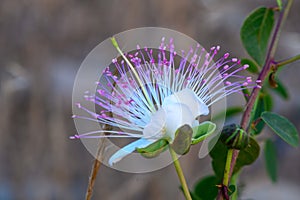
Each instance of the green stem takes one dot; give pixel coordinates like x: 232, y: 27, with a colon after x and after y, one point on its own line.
x: 227, y: 167
x: 180, y: 174
x: 283, y: 15
x: 288, y: 61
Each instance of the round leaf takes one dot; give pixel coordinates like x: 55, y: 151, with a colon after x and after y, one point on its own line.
x: 248, y: 155
x: 207, y: 188
x: 282, y: 127
x: 202, y: 131
x: 253, y: 68
x: 218, y: 155
x: 153, y: 149
x: 263, y: 103
x: 256, y: 31
x: 271, y: 160
x: 231, y: 189
x: 182, y: 141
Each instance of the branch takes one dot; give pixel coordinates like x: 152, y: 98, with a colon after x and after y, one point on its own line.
x: 287, y: 61
x: 95, y: 170
x: 262, y: 76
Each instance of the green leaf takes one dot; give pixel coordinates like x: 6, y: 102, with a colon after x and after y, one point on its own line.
x: 271, y: 160
x: 268, y: 102
x: 281, y: 90
x: 263, y: 103
x: 194, y: 196
x: 248, y: 155
x: 282, y: 127
x: 255, y: 33
x: 231, y: 189
x: 218, y: 155
x: 253, y: 68
x: 153, y: 149
x: 182, y: 141
x: 207, y: 188
x: 202, y: 131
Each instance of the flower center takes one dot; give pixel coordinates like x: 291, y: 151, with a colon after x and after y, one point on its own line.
x: 177, y: 110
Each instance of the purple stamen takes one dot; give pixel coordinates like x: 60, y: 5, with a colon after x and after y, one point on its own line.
x: 122, y: 103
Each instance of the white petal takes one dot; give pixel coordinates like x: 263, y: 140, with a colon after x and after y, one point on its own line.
x: 177, y: 115
x: 128, y: 149
x: 156, y: 125
x: 190, y: 99
x: 167, y: 120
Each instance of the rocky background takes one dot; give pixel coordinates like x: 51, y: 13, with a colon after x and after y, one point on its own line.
x: 42, y: 44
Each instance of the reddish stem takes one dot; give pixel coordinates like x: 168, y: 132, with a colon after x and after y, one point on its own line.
x: 262, y: 76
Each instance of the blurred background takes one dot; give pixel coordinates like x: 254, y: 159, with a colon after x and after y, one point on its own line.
x: 42, y: 44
